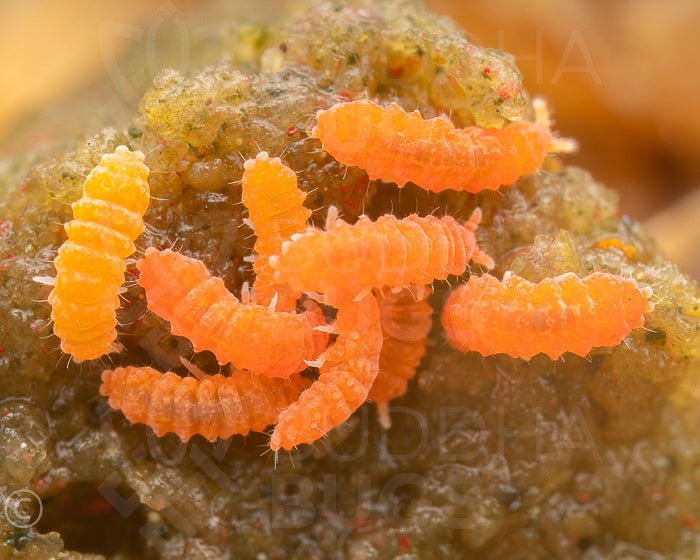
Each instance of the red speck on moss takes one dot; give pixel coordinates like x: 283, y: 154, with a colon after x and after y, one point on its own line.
x: 505, y: 92
x: 583, y: 498
x: 403, y: 543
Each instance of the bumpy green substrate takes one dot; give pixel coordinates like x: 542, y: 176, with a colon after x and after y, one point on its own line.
x: 490, y: 458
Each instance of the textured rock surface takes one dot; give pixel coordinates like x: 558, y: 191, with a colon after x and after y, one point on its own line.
x: 589, y: 458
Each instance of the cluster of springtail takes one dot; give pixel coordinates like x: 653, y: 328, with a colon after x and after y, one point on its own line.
x: 377, y: 275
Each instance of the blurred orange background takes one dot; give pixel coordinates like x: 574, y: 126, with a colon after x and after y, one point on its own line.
x: 621, y: 77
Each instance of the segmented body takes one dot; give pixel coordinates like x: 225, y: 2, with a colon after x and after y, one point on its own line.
x: 199, y: 307
x: 275, y: 207
x: 393, y: 145
x: 406, y: 319
x: 630, y: 251
x: 90, y: 265
x: 215, y: 407
x: 388, y: 252
x: 562, y: 314
x: 350, y: 367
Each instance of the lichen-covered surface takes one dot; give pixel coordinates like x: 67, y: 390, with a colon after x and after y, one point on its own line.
x: 489, y: 458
